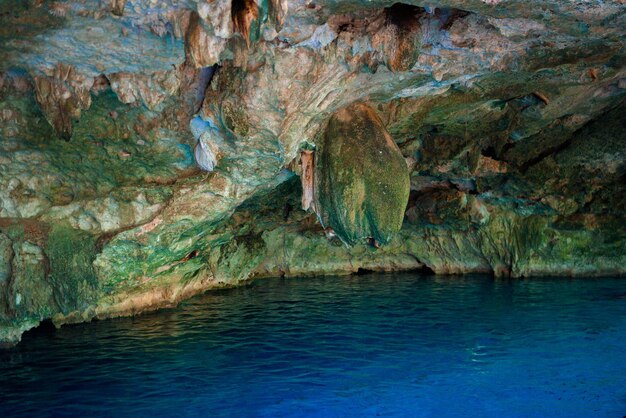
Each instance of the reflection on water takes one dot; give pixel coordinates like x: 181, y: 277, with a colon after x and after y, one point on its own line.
x: 396, y: 345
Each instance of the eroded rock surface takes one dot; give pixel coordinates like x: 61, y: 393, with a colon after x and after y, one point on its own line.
x: 148, y: 149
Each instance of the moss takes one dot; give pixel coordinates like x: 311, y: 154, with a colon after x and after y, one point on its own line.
x: 71, y: 253
x: 509, y: 240
x: 32, y: 123
x: 14, y: 232
x: 236, y: 120
x: 29, y: 294
x: 362, y: 178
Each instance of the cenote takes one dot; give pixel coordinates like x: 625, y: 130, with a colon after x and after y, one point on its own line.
x: 197, y: 198
x: 377, y: 344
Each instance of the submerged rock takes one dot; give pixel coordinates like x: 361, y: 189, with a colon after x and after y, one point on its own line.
x: 362, y: 179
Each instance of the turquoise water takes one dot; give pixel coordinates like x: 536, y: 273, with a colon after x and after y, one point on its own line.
x: 388, y: 345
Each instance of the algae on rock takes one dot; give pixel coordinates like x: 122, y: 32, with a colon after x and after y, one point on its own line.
x: 362, y: 179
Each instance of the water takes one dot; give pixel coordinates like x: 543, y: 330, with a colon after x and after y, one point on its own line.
x: 389, y: 345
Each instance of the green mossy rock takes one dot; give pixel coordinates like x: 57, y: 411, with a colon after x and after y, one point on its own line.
x: 362, y: 181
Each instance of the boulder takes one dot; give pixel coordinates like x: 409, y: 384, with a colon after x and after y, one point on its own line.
x: 362, y: 179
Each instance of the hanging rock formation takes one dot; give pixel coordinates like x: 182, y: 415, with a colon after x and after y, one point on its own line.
x: 362, y: 180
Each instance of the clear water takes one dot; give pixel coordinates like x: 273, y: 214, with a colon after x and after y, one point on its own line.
x: 389, y: 345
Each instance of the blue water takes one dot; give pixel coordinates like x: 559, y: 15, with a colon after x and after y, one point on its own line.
x: 388, y: 345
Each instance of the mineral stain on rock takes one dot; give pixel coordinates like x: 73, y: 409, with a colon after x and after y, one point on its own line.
x: 307, y: 161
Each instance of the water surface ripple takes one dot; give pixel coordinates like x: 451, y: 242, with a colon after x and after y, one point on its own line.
x: 389, y: 345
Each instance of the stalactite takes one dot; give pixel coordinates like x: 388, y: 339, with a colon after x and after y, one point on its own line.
x: 243, y: 13
x: 307, y: 158
x: 117, y: 7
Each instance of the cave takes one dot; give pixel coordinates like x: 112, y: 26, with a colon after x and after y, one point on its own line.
x: 329, y: 208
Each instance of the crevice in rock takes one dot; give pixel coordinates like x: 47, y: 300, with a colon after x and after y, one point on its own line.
x: 490, y: 152
x: 104, y: 240
x: 287, y: 210
x: 100, y: 84
x: 523, y: 168
x: 424, y: 269
x: 205, y: 76
x: 449, y: 16
x: 192, y: 254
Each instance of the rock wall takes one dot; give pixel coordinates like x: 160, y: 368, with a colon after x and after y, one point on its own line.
x: 150, y: 150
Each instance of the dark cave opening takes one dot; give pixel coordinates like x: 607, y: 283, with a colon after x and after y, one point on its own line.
x: 490, y: 152
x: 404, y: 16
x: 425, y: 270
x: 45, y: 328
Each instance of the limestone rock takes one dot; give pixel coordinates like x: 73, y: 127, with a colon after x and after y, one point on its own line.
x: 362, y: 180
x: 188, y: 117
x: 62, y: 96
x: 29, y: 292
x: 210, y: 145
x: 307, y: 160
x: 201, y: 48
x: 117, y: 7
x: 6, y: 258
x: 151, y: 90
